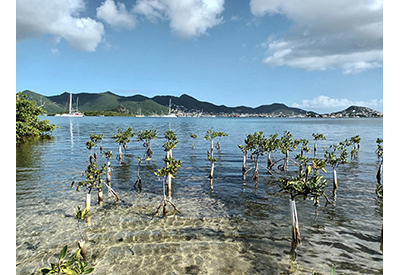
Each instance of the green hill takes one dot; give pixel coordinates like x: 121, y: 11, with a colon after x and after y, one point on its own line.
x: 108, y: 103
x: 99, y: 103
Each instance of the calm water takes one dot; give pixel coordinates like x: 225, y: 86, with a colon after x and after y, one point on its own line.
x: 235, y: 228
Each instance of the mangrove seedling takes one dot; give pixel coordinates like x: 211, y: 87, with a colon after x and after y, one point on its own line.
x: 90, y: 145
x: 193, y: 136
x: 356, y: 145
x: 72, y: 265
x: 108, y: 155
x: 96, y: 138
x: 171, y: 164
x: 307, y: 184
x: 138, y: 182
x: 286, y: 144
x: 81, y: 215
x: 379, y: 153
x: 243, y: 149
x: 316, y: 138
x: 271, y: 146
x: 162, y: 173
x: 146, y: 136
x: 211, y: 135
x: 123, y: 138
x: 335, y: 156
x: 256, y: 143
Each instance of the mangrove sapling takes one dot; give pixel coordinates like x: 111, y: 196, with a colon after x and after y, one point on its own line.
x: 193, y: 136
x: 81, y: 215
x: 123, y: 138
x: 170, y: 162
x: 307, y: 184
x: 316, y: 138
x: 271, y: 146
x: 146, y: 136
x: 108, y: 155
x: 379, y: 153
x: 211, y: 135
x: 356, y: 145
x: 90, y: 145
x: 256, y: 143
x: 243, y: 149
x: 169, y: 171
x: 286, y: 144
x: 138, y: 182
x: 335, y: 156
x: 96, y: 138
x: 72, y: 265
x: 220, y: 135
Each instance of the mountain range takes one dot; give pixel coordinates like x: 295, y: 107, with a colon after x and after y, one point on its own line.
x: 108, y: 103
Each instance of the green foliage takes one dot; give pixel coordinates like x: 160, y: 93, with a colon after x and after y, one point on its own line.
x: 379, y: 192
x: 211, y: 134
x: 93, y: 177
x: 318, y: 137
x: 255, y: 143
x: 123, y: 137
x: 171, y: 141
x: 308, y: 183
x: 81, y: 214
x: 108, y: 154
x: 146, y: 136
x: 28, y: 124
x: 193, y: 136
x: 171, y: 167
x: 287, y: 144
x: 379, y: 150
x: 96, y: 138
x: 72, y: 266
x: 171, y: 164
x: 337, y: 154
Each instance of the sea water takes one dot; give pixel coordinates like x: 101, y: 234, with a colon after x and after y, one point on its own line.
x: 233, y: 228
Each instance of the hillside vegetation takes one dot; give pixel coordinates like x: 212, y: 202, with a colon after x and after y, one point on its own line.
x: 110, y: 104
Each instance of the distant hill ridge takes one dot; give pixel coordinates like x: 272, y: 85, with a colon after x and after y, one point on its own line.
x: 158, y: 105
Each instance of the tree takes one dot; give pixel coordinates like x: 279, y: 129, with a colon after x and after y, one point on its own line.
x: 28, y: 124
x: 170, y: 169
x: 286, y: 144
x: 146, y: 136
x: 193, y: 136
x: 316, y: 138
x: 379, y: 153
x: 335, y: 156
x: 211, y: 135
x: 123, y: 138
x: 307, y: 184
x: 356, y: 145
x: 256, y: 144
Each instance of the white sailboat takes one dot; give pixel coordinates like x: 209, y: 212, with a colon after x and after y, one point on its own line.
x: 72, y: 113
x: 169, y: 111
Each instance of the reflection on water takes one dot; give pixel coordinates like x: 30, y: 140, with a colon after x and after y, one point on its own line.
x: 235, y: 228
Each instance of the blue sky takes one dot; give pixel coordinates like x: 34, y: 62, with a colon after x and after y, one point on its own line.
x: 317, y: 55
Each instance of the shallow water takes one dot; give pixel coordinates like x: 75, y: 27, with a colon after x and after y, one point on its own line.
x: 234, y: 228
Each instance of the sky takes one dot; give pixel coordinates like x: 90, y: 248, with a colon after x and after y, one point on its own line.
x: 320, y: 56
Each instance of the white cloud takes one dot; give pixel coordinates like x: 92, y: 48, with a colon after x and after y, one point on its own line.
x: 116, y: 15
x: 187, y: 18
x: 340, y: 34
x: 324, y: 103
x: 61, y: 19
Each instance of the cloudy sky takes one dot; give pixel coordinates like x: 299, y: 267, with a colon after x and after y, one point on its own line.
x: 316, y: 55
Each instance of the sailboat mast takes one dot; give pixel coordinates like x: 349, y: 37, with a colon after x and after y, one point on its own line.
x: 70, y: 102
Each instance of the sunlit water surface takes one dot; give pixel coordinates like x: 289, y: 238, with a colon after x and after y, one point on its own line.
x: 234, y: 228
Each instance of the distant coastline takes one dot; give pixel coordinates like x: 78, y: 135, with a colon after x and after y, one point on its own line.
x: 109, y: 104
